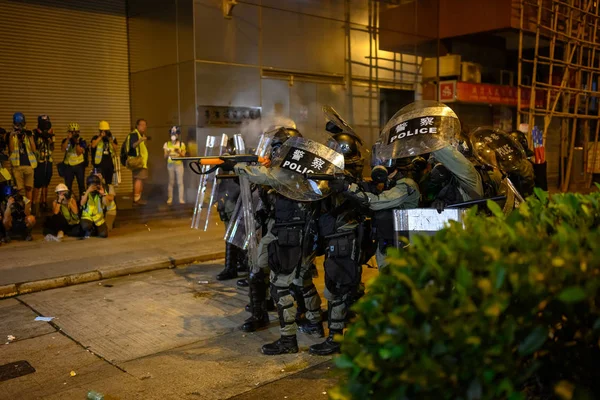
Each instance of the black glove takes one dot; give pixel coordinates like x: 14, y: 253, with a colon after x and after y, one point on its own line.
x: 227, y: 166
x: 338, y: 185
x: 439, y: 205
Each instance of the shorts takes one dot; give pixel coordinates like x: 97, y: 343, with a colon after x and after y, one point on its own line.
x: 42, y: 175
x: 140, y: 174
x: 23, y: 177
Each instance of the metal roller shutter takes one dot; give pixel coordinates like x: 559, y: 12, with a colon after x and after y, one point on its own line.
x: 68, y: 59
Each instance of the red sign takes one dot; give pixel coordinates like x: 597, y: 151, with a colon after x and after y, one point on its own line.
x: 447, y: 91
x: 467, y: 92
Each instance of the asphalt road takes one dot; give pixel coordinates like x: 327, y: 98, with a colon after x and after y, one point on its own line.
x: 165, y: 334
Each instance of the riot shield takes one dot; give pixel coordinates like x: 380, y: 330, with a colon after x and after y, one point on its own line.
x: 246, y: 208
x: 236, y: 230
x: 334, y: 117
x: 299, y: 156
x: 419, y: 128
x: 422, y: 221
x: 214, y: 182
x: 210, y: 150
x: 498, y: 149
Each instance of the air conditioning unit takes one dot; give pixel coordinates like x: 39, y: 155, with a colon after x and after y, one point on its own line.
x: 470, y: 72
x: 449, y: 66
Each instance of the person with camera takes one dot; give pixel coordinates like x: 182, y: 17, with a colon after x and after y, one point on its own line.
x: 22, y: 151
x: 44, y: 143
x: 16, y: 216
x: 93, y: 203
x: 175, y: 148
x: 65, y: 216
x: 104, y: 149
x: 110, y: 209
x: 74, y: 148
x: 137, y: 159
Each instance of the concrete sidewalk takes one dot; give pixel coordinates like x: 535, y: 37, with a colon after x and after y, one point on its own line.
x: 132, y: 248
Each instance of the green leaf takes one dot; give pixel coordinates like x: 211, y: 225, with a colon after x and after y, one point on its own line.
x: 573, y: 294
x: 343, y: 361
x: 464, y: 277
x: 500, y: 275
x: 540, y: 194
x: 495, y: 209
x: 534, y: 341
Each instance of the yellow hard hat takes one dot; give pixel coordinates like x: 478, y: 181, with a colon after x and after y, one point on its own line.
x: 73, y: 127
x: 103, y: 126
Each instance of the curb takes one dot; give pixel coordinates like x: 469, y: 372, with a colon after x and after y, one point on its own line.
x: 16, y: 289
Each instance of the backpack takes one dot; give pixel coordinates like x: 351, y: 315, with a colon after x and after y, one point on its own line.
x: 123, y: 156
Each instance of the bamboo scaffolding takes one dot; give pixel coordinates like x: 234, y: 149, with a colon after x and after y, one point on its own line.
x: 572, y: 27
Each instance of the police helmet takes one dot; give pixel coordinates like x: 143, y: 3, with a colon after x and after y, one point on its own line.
x: 353, y: 159
x: 522, y: 139
x: 93, y: 180
x: 230, y: 149
x: 44, y: 123
x: 19, y: 119
x: 284, y: 134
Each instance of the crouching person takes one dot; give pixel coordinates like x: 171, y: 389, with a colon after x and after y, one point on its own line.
x: 93, y: 203
x: 16, y: 216
x: 110, y: 211
x: 65, y: 216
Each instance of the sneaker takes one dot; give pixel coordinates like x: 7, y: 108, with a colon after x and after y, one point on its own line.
x: 181, y: 202
x: 28, y: 238
x: 169, y: 202
x: 140, y: 202
x: 60, y: 235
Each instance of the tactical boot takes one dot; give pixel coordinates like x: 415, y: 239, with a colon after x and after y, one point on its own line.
x: 241, y: 261
x: 298, y: 295
x: 242, y: 283
x: 328, y: 347
x: 270, y: 306
x: 230, y: 271
x: 312, y: 329
x: 283, y: 345
x: 260, y: 317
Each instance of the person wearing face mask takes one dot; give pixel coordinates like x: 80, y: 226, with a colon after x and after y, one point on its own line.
x: 104, y: 149
x: 175, y: 148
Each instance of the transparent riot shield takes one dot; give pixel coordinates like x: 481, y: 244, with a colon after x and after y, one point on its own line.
x: 334, y: 117
x: 418, y: 128
x: 213, y: 181
x: 299, y: 156
x: 247, y: 208
x: 498, y: 149
x: 422, y: 221
x: 236, y: 230
x: 198, y: 207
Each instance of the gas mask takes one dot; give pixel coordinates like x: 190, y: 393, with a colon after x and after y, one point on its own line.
x: 173, y: 138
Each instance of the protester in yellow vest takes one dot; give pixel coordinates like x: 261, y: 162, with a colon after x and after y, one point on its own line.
x: 74, y: 161
x: 22, y: 155
x: 93, y: 203
x: 175, y: 148
x: 136, y: 147
x: 65, y: 216
x: 110, y: 208
x: 104, y: 150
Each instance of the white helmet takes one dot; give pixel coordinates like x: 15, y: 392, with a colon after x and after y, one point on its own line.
x: 61, y: 187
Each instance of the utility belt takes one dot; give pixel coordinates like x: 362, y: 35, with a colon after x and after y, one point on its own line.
x: 289, y: 234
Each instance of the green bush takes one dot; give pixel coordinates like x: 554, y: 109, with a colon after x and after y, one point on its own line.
x: 506, y: 307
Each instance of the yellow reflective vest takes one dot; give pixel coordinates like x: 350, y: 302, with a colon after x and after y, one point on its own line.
x: 14, y: 156
x: 93, y: 211
x: 100, y: 151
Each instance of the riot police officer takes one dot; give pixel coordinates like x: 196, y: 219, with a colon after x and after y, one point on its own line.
x: 288, y: 250
x: 228, y: 193
x: 340, y: 235
x: 523, y: 177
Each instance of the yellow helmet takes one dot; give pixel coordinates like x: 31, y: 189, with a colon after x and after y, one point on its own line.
x: 73, y: 127
x: 103, y: 126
